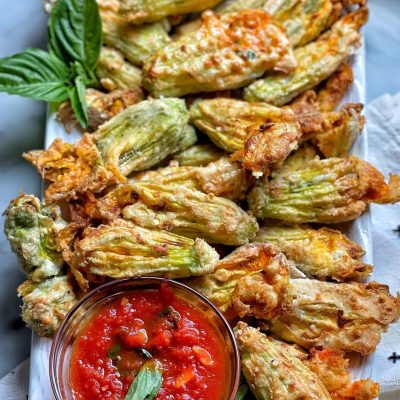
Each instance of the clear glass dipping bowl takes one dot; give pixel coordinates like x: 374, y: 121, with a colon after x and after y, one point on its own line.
x: 64, y: 339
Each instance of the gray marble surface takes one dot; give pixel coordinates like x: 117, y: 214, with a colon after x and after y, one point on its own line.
x: 22, y: 25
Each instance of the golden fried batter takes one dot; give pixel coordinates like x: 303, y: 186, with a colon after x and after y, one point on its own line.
x: 344, y: 316
x: 332, y: 369
x: 226, y: 52
x: 71, y: 169
x: 324, y: 253
x: 272, y: 371
x: 100, y: 107
x: 251, y: 281
x: 334, y: 88
x: 324, y: 191
x: 339, y: 131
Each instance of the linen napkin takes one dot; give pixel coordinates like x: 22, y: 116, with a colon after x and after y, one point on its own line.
x: 383, y: 122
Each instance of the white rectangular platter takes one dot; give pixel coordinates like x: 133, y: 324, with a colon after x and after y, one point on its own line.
x: 359, y: 231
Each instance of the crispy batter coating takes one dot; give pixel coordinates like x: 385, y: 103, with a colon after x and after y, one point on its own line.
x: 123, y: 250
x: 251, y: 281
x: 268, y: 146
x: 316, y: 62
x: 273, y: 372
x: 324, y: 191
x: 332, y: 369
x: 340, y: 130
x: 45, y: 304
x: 324, y: 253
x: 308, y: 19
x: 261, y: 135
x: 143, y: 135
x: 335, y: 87
x: 198, y: 155
x: 136, y: 43
x: 170, y: 175
x: 227, y: 121
x: 140, y: 11
x: 226, y: 52
x: 306, y: 110
x: 100, y: 107
x: 344, y: 316
x: 116, y: 73
x: 225, y: 178
x: 30, y: 227
x: 190, y: 213
x: 71, y: 169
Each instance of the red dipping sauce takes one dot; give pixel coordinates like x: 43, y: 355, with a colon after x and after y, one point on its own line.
x: 145, y: 325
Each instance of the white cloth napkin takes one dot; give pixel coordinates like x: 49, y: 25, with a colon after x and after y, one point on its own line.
x: 383, y: 120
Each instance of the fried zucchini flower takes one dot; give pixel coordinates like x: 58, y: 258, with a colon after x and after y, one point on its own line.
x: 324, y: 191
x: 226, y: 52
x: 45, y: 304
x: 140, y: 11
x: 332, y: 369
x: 273, y: 372
x: 251, y: 281
x: 225, y: 178
x: 30, y: 228
x: 334, y: 88
x: 340, y: 130
x: 308, y: 19
x: 190, y: 213
x: 316, y: 62
x: 261, y: 135
x: 116, y: 73
x: 170, y: 175
x: 71, y: 168
x: 123, y: 250
x: 345, y: 316
x: 143, y: 135
x: 198, y: 155
x: 136, y: 43
x: 324, y: 253
x: 100, y: 107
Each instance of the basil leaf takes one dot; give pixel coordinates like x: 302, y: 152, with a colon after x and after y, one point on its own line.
x: 35, y: 73
x: 242, y: 392
x: 113, y: 354
x: 146, y: 384
x: 75, y: 32
x: 78, y: 102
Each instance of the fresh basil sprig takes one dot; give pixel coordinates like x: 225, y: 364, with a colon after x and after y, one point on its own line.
x: 64, y: 72
x: 146, y: 384
x: 242, y: 392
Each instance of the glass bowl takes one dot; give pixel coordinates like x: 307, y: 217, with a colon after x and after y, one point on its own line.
x: 64, y: 339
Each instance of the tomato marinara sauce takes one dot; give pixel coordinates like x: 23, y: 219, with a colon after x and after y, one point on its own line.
x: 145, y: 325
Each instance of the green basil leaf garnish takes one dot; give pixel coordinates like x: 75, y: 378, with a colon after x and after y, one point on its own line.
x: 146, y: 384
x: 114, y: 351
x: 78, y: 103
x: 242, y: 391
x: 75, y: 32
x: 35, y: 73
x: 64, y: 72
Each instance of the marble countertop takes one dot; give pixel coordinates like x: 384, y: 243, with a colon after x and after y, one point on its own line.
x: 22, y: 128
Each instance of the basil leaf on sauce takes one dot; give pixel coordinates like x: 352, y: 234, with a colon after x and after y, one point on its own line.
x: 114, y: 351
x: 146, y: 384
